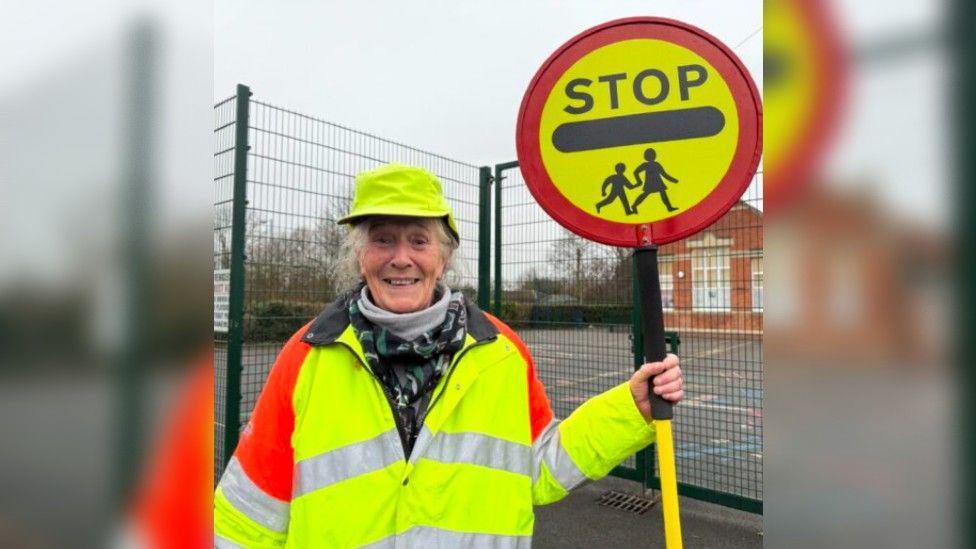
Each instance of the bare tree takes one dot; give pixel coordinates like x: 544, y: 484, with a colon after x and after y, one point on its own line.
x: 294, y: 264
x: 591, y: 272
x: 223, y: 228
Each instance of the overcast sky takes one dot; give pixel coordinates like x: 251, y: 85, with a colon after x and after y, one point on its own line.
x: 446, y: 76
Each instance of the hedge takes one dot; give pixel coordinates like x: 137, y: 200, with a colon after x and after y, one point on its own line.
x: 563, y: 315
x: 268, y: 321
x: 277, y: 320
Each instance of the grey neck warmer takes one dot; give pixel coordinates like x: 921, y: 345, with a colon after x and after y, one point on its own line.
x: 407, y: 326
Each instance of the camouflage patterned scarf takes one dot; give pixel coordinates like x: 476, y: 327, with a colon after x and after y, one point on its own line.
x: 409, y: 370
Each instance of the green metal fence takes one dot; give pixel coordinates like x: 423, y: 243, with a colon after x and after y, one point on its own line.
x: 282, y: 178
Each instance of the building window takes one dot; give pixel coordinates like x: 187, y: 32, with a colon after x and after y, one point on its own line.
x: 665, y: 275
x: 757, y: 284
x: 710, y: 288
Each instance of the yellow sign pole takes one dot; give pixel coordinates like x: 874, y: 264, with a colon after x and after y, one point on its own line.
x: 669, y: 484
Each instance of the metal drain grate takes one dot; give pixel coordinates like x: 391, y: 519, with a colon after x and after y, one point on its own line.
x: 625, y: 502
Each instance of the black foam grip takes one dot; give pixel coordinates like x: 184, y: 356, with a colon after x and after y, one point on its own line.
x: 652, y: 321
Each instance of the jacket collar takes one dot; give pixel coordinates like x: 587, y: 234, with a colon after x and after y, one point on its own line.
x: 335, y: 319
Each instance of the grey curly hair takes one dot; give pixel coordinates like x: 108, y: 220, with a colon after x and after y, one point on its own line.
x: 346, y: 270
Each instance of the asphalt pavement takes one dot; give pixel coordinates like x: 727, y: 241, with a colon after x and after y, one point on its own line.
x: 580, y: 521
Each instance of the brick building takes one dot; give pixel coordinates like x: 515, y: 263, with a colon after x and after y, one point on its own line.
x: 714, y: 280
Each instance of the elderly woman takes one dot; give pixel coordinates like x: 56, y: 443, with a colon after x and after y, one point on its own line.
x: 403, y: 416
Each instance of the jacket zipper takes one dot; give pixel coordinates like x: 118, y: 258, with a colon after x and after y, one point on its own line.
x: 447, y: 378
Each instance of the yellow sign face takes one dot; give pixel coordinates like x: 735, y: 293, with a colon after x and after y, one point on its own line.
x: 638, y: 131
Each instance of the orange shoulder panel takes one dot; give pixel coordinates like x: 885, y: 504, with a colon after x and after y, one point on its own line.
x: 265, y: 450
x: 172, y: 508
x: 539, y: 410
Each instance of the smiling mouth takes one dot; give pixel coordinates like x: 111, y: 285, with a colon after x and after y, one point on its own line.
x: 401, y: 282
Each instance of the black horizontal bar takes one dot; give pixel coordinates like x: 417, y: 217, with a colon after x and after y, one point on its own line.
x: 638, y: 129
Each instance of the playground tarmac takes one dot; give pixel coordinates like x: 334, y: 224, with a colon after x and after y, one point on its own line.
x: 580, y: 521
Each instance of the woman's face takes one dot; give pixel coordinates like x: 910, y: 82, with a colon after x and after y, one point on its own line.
x: 401, y: 264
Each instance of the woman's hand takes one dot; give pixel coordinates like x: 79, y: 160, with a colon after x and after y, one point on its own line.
x: 667, y: 383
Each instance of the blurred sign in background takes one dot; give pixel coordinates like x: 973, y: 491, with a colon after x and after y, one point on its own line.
x: 221, y: 297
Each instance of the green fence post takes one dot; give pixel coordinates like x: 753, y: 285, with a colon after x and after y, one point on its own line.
x: 484, y: 238
x: 235, y: 331
x: 964, y: 59
x: 497, y: 308
x: 130, y: 358
x: 499, y: 170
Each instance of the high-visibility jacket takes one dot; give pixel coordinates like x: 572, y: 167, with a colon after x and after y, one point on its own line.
x: 321, y: 464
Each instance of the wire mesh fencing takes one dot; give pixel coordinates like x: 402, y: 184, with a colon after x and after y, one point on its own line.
x: 713, y: 288
x: 225, y: 124
x: 300, y: 177
x: 570, y: 299
x: 572, y: 302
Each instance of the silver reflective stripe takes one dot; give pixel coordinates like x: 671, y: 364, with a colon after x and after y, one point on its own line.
x: 420, y: 446
x: 224, y: 543
x: 426, y: 536
x: 548, y: 448
x: 248, y: 498
x: 479, y: 449
x: 385, y: 543
x: 347, y: 462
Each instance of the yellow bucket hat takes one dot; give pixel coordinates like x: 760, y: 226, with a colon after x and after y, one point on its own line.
x: 400, y: 190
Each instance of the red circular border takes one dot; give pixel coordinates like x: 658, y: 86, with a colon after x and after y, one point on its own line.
x: 727, y: 192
